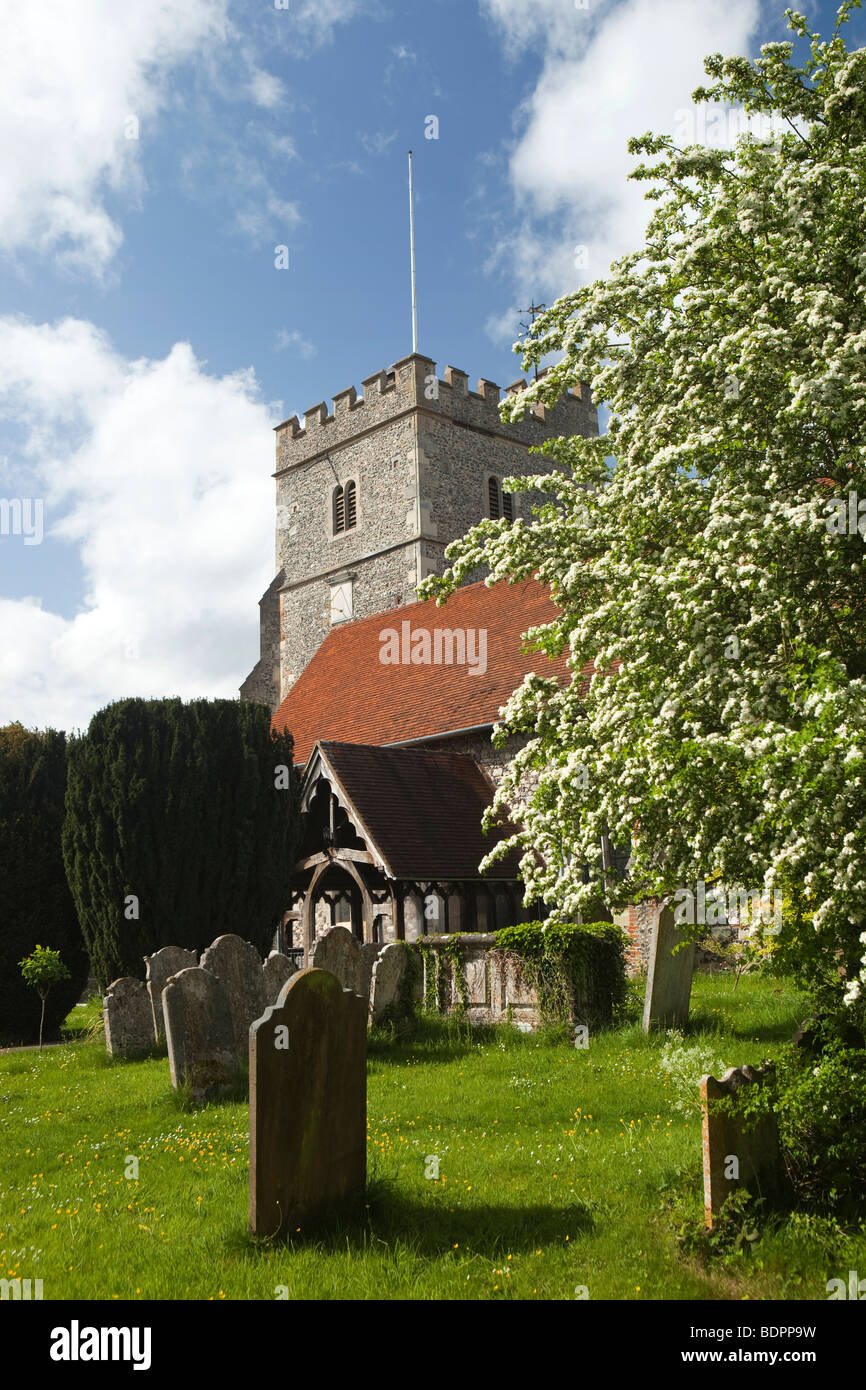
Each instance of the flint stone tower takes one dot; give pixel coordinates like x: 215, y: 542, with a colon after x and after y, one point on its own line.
x: 369, y: 496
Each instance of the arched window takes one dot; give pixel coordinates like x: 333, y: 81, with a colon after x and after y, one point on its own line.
x: 345, y: 508
x: 500, y: 504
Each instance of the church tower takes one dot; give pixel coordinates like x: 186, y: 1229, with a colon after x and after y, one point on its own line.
x: 369, y: 496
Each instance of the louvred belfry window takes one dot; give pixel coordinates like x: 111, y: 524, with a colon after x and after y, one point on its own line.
x: 351, y: 509
x: 339, y: 510
x: 508, y: 506
x: 493, y: 497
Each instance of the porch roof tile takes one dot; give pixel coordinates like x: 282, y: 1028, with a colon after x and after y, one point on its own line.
x: 422, y: 809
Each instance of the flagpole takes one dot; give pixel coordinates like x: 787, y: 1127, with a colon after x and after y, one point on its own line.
x: 412, y: 258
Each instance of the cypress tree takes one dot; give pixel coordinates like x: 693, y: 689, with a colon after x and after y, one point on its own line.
x: 175, y: 830
x: 36, y: 907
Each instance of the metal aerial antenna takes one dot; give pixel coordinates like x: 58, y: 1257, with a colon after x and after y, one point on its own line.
x: 412, y: 258
x: 533, y: 311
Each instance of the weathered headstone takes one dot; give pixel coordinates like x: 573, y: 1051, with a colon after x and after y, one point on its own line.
x: 128, y: 1018
x: 238, y: 965
x: 521, y: 997
x: 308, y: 1103
x: 476, y: 973
x: 738, y: 1152
x: 370, y: 953
x: 390, y: 988
x: 199, y: 1031
x: 276, y: 972
x: 160, y: 968
x: 340, y: 952
x: 669, y: 977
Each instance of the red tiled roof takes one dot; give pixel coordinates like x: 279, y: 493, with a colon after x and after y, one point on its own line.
x: 422, y: 810
x: 348, y: 695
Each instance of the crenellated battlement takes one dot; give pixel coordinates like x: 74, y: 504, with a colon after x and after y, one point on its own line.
x: 412, y: 385
x: 428, y: 458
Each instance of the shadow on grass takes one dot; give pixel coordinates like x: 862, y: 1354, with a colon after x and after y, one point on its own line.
x: 388, y: 1218
x: 437, y: 1039
x: 431, y: 1038
x: 779, y: 1030
x: 229, y: 1092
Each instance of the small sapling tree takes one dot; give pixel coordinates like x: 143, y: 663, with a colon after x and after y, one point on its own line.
x: 42, y: 969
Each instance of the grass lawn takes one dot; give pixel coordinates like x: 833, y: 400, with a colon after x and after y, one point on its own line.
x: 557, y: 1168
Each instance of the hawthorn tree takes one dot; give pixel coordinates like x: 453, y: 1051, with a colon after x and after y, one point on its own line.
x: 709, y: 554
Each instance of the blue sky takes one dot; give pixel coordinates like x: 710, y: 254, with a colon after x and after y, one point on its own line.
x: 152, y: 159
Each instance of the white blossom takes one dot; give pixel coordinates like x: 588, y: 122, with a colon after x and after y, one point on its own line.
x: 725, y: 720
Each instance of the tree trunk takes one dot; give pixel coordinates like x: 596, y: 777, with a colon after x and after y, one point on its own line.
x: 41, y: 1021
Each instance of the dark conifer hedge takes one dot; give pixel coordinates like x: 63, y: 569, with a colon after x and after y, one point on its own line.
x: 36, y: 907
x: 178, y: 828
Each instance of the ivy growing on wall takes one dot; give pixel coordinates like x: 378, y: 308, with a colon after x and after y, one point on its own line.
x: 451, y: 948
x: 448, y: 947
x: 430, y: 957
x: 575, y: 969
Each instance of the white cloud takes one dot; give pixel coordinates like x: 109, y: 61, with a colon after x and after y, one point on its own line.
x: 555, y: 25
x: 377, y: 143
x: 159, y: 474
x: 610, y: 72
x: 281, y: 144
x: 285, y: 339
x: 266, y: 89
x: 267, y: 216
x: 319, y: 17
x: 501, y: 327
x: 72, y: 76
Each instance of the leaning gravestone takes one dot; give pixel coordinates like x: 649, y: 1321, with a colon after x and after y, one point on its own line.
x: 669, y: 978
x: 128, y: 1018
x: 308, y: 1103
x: 160, y: 968
x: 198, y: 1028
x: 737, y: 1152
x: 276, y: 972
x: 340, y: 952
x: 390, y: 990
x: 237, y: 964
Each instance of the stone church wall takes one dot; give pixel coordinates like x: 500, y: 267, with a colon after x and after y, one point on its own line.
x: 305, y: 621
x: 420, y: 451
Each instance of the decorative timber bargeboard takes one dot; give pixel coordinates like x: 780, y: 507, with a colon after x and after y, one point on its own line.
x: 391, y: 846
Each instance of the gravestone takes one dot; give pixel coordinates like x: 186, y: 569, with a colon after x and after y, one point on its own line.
x: 237, y: 965
x: 737, y: 1152
x: 276, y: 972
x: 669, y: 978
x: 521, y: 997
x: 128, y: 1018
x: 390, y: 988
x: 340, y: 952
x: 160, y: 968
x: 199, y: 1031
x: 308, y: 1103
x: 476, y: 976
x: 370, y: 953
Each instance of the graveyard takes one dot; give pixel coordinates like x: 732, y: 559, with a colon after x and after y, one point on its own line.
x: 500, y: 935
x: 500, y: 1165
